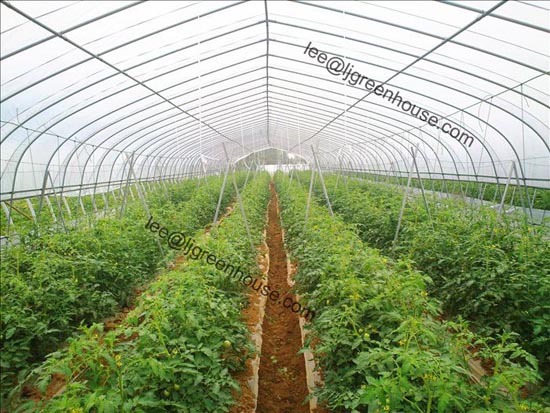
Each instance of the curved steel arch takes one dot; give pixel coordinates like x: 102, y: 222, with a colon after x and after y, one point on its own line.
x: 442, y: 142
x: 171, y: 143
x: 547, y: 144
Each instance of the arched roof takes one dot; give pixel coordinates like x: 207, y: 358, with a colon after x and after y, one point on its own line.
x: 90, y: 87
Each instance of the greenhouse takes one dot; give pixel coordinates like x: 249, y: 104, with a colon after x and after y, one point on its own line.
x: 275, y: 206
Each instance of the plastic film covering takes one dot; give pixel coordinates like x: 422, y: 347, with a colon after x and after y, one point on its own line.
x: 95, y: 92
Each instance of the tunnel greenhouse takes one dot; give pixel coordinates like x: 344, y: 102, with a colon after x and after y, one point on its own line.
x: 275, y: 206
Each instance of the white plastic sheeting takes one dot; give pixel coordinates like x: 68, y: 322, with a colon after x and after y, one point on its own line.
x: 89, y: 88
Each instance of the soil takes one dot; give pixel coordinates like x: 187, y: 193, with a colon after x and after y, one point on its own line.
x: 282, y: 375
x: 245, y: 399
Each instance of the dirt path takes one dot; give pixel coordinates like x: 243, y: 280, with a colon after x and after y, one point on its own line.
x: 282, y: 375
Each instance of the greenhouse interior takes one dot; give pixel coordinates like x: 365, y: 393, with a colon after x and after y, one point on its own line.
x: 275, y: 206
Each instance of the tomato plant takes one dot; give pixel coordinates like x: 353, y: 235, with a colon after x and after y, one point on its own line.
x: 53, y: 283
x: 492, y: 270
x: 174, y: 341
x: 378, y: 336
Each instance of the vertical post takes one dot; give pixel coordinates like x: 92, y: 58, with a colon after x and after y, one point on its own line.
x: 132, y: 193
x: 7, y: 211
x: 482, y: 192
x: 309, y: 195
x: 81, y: 204
x: 297, y: 175
x: 291, y: 174
x: 31, y: 208
x: 533, y: 199
x: 521, y: 196
x: 58, y: 202
x: 123, y: 206
x: 105, y: 203
x: 247, y: 175
x: 142, y: 198
x: 394, y: 243
x: 80, y: 201
x: 240, y: 202
x: 256, y: 169
x: 66, y: 205
x: 517, y: 178
x: 422, y: 189
x: 94, y: 205
x: 322, y: 181
x: 221, y: 195
x: 497, y: 189
x: 54, y: 218
x: 339, y: 167
x: 501, y: 206
x: 43, y: 190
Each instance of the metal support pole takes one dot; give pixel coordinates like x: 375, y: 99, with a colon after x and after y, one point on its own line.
x: 482, y: 192
x: 240, y: 202
x: 298, y: 170
x: 8, y: 216
x: 422, y: 189
x: 341, y: 173
x: 79, y: 202
x: 31, y: 208
x: 247, y: 175
x: 508, y: 179
x: 94, y: 205
x: 322, y: 181
x: 105, y: 203
x: 59, y: 207
x: 81, y: 205
x: 522, y: 199
x: 394, y: 243
x: 290, y: 180
x: 143, y: 201
x: 132, y: 193
x: 124, y: 198
x: 66, y: 205
x: 533, y: 199
x: 50, y: 206
x: 215, y: 221
x: 43, y: 190
x: 256, y: 170
x: 309, y: 195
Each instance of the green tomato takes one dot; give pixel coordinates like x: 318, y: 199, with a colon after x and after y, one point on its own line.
x: 227, y: 343
x: 176, y: 387
x: 166, y: 393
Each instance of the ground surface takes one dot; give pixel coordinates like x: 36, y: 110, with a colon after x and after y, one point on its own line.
x: 282, y: 377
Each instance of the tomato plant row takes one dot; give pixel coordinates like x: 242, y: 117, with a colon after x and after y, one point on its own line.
x: 176, y: 350
x: 539, y: 197
x: 53, y: 283
x: 487, y: 268
x: 102, y: 203
x: 377, y: 335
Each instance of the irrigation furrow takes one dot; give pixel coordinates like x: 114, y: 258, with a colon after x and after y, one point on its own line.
x: 282, y: 375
